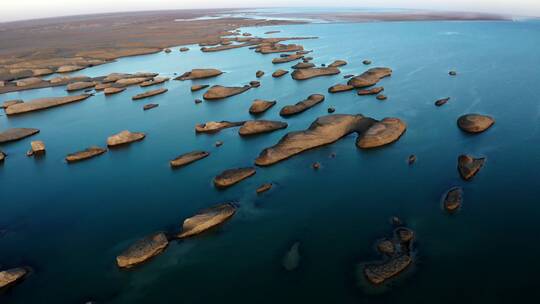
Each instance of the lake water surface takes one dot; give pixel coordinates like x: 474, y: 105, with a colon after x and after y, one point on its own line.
x: 68, y: 222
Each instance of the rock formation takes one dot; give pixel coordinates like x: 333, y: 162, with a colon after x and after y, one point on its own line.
x: 337, y: 63
x: 198, y: 87
x: 113, y: 90
x: 303, y: 65
x: 11, y: 276
x: 382, y: 133
x: 291, y: 260
x: 142, y: 250
x: 468, y: 166
x: 372, y: 91
x: 207, y: 219
x: 188, y: 158
x: 279, y: 73
x: 259, y: 74
x: 303, y: 74
x: 301, y: 106
x: 124, y: 137
x: 219, y: 92
x: 85, y: 154
x: 199, y: 74
x: 340, y: 88
x: 370, y: 77
x: 8, y: 103
x: 232, y: 176
x: 216, y: 126
x: 154, y: 81
x: 442, y: 101
x: 380, y: 272
x: 80, y: 85
x: 149, y: 106
x: 260, y: 106
x: 253, y: 127
x: 472, y: 123
x: 453, y: 199
x: 287, y: 58
x: 263, y: 188
x: 43, y: 103
x: 149, y: 94
x: 37, y: 147
x: 15, y: 134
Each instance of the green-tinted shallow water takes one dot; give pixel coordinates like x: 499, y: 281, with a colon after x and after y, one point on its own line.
x: 69, y: 222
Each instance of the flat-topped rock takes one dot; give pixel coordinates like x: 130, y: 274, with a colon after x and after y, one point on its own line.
x: 142, y: 250
x: 8, y: 103
x: 303, y: 65
x: 149, y: 94
x: 85, y: 154
x: 37, y: 147
x: 198, y: 87
x: 382, y: 133
x: 207, y: 219
x: 28, y: 81
x: 130, y: 81
x: 323, y: 131
x: 337, y: 63
x: 199, y: 74
x: 150, y: 106
x: 370, y: 77
x: 154, y: 81
x: 340, y: 88
x: 15, y: 134
x: 263, y: 188
x: 260, y: 106
x: 80, y: 85
x: 279, y: 48
x: 301, y: 106
x: 474, y: 123
x: 468, y: 166
x: 372, y: 91
x: 102, y: 86
x: 287, y: 58
x: 291, y: 260
x: 303, y: 74
x: 279, y: 73
x: 253, y: 127
x: 381, y: 272
x: 188, y: 158
x: 441, y: 102
x: 44, y: 103
x: 11, y: 276
x: 216, y: 126
x: 124, y: 137
x: 259, y: 74
x: 233, y: 176
x: 113, y: 90
x: 68, y: 79
x: 219, y: 92
x: 69, y: 68
x: 453, y: 199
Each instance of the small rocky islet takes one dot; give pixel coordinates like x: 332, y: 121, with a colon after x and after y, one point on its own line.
x: 260, y: 106
x: 304, y: 74
x: 301, y: 106
x: 15, y: 134
x: 142, y: 250
x: 453, y: 199
x: 231, y: 177
x: 85, y: 154
x: 188, y: 158
x: 43, y: 103
x: 218, y: 92
x: 475, y: 123
x: 468, y: 166
x: 216, y: 126
x: 125, y: 137
x: 9, y: 277
x: 149, y: 94
x: 253, y: 127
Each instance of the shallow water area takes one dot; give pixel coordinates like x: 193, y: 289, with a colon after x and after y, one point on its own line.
x: 68, y: 222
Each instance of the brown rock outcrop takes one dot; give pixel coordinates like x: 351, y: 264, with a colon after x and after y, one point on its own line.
x: 288, y: 58
x: 207, y: 219
x: 259, y: 74
x: 474, y: 123
x: 142, y: 250
x: 199, y: 74
x: 382, y: 133
x: 453, y: 199
x: 80, y: 85
x: 154, y: 81
x: 43, y: 103
x: 253, y: 127
x: 468, y: 166
x: 303, y: 74
x: 124, y: 137
x: 303, y: 65
x: 279, y: 48
x: 372, y: 91
x: 337, y: 63
x: 11, y: 276
x: 340, y: 88
x: 69, y: 68
x: 113, y: 90
x: 8, y: 103
x: 260, y: 106
x: 263, y: 188
x: 84, y: 154
x: 442, y: 101
x: 216, y: 126
x: 381, y: 272
x: 149, y: 94
x: 279, y: 73
x: 188, y: 158
x: 233, y: 176
x: 198, y: 87
x: 15, y: 134
x: 301, y: 106
x: 219, y: 92
x: 37, y: 147
x: 370, y: 77
x: 149, y: 106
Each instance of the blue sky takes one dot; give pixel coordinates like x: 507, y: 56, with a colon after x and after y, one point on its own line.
x: 29, y: 9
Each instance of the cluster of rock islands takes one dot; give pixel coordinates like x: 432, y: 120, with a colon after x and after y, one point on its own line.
x: 371, y: 133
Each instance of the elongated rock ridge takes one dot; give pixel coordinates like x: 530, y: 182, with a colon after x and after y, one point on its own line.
x: 253, y: 127
x: 85, y: 154
x: 382, y: 133
x: 15, y: 134
x: 216, y: 126
x: 233, y: 176
x: 303, y: 74
x: 142, y: 250
x: 219, y: 92
x: 199, y: 74
x: 43, y: 103
x: 370, y: 77
x: 188, y: 158
x: 123, y: 138
x: 301, y: 106
x: 207, y: 219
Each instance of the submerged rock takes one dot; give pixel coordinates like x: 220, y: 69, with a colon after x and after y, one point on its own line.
x: 453, y: 199
x: 301, y: 106
x: 412, y: 159
x: 452, y: 73
x: 337, y: 63
x: 124, y: 137
x: 184, y: 49
x: 259, y: 74
x: 218, y: 143
x: 253, y: 127
x: 207, y: 219
x: 219, y: 92
x: 149, y: 106
x: 188, y: 158
x: 316, y: 165
x: 381, y: 97
x: 324, y: 130
x: 474, y: 123
x: 254, y: 84
x: 11, y: 276
x: 43, y: 103
x: 260, y: 106
x: 198, y: 101
x: 303, y: 65
x: 167, y: 50
x: 441, y: 102
x: 85, y: 154
x: 80, y: 85
x: 370, y: 77
x: 36, y: 148
x: 386, y: 247
x: 2, y: 156
x: 372, y: 91
x: 380, y: 272
x: 468, y: 166
x: 198, y: 87
x: 149, y: 94
x: 142, y: 250
x: 331, y: 110
x: 232, y: 176
x: 279, y: 73
x: 382, y: 133
x: 15, y: 134
x: 340, y: 88
x: 113, y: 90
x: 8, y: 103
x: 156, y: 80
x: 303, y: 74
x: 291, y: 260
x: 263, y: 188
x: 216, y: 126
x: 199, y: 74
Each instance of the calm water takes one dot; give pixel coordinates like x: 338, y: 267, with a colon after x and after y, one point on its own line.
x: 69, y: 222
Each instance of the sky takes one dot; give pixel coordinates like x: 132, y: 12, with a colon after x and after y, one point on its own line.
x: 12, y: 10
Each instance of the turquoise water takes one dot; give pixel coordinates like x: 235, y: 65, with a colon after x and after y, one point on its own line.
x: 68, y: 222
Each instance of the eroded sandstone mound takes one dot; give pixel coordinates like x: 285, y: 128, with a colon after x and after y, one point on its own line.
x: 15, y: 134
x: 370, y: 77
x: 253, y: 127
x: 337, y: 63
x: 468, y: 166
x: 340, y: 88
x: 80, y: 85
x: 188, y: 158
x: 11, y: 276
x: 85, y: 154
x: 323, y: 131
x: 372, y: 91
x: 124, y: 137
x: 303, y: 65
x: 301, y: 106
x: 154, y: 81
x: 382, y: 133
x: 380, y: 272
x: 260, y: 106
x: 453, y: 199
x: 232, y: 176
x: 149, y: 94
x: 279, y: 73
x: 474, y: 123
x: 199, y: 74
x: 219, y: 92
x: 303, y: 74
x: 216, y: 126
x: 287, y: 58
x: 207, y: 219
x: 113, y: 90
x: 43, y: 103
x: 198, y: 87
x: 142, y: 250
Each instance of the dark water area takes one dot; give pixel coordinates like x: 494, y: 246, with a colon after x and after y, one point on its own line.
x: 69, y: 222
